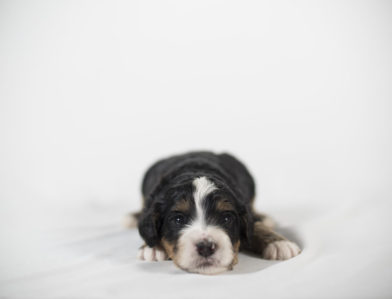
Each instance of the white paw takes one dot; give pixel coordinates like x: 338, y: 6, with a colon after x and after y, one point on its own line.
x: 149, y: 254
x: 281, y: 250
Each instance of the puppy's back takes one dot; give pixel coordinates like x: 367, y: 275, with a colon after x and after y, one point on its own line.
x: 225, y: 164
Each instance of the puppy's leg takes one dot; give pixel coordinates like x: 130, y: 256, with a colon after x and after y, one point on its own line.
x: 270, y: 245
x: 149, y: 254
x: 264, y: 219
x: 130, y: 220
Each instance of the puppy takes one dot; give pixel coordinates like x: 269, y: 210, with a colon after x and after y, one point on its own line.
x: 197, y: 211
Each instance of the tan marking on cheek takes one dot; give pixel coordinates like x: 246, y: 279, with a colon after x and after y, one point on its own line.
x: 236, y: 249
x: 169, y: 248
x: 237, y: 246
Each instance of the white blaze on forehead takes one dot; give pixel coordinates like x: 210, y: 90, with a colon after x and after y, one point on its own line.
x: 203, y: 187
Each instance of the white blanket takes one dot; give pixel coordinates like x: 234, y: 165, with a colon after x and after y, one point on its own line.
x: 82, y: 252
x: 92, y: 92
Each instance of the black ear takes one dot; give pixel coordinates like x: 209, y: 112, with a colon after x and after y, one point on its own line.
x: 149, y: 226
x: 247, y: 222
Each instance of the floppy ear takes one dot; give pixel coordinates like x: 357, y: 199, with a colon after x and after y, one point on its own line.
x: 149, y: 226
x: 246, y: 222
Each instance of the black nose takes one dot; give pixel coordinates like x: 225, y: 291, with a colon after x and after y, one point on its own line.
x: 206, y: 248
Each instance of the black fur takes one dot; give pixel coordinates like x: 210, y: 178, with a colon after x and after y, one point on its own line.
x: 170, y: 180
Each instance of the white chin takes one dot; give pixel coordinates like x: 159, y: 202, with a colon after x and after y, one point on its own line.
x: 208, y: 270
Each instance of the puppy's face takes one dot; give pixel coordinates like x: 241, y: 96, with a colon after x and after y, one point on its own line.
x: 201, y: 228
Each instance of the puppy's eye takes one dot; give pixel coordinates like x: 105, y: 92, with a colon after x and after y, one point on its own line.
x: 227, y: 218
x: 178, y: 219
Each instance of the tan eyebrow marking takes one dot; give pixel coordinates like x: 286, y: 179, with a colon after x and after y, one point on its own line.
x: 182, y: 206
x: 223, y: 205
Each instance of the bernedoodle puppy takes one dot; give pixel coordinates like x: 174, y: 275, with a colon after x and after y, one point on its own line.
x: 198, y: 212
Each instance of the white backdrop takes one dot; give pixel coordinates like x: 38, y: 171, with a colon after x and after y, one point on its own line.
x: 93, y: 92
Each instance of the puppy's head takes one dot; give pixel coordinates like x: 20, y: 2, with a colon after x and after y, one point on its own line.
x: 199, y: 223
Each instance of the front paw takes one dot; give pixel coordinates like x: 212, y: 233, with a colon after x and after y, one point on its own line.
x: 281, y: 250
x: 149, y: 254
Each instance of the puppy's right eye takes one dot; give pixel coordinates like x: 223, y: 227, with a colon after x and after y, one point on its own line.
x: 178, y: 220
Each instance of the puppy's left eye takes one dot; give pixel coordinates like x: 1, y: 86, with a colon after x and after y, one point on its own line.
x: 227, y: 218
